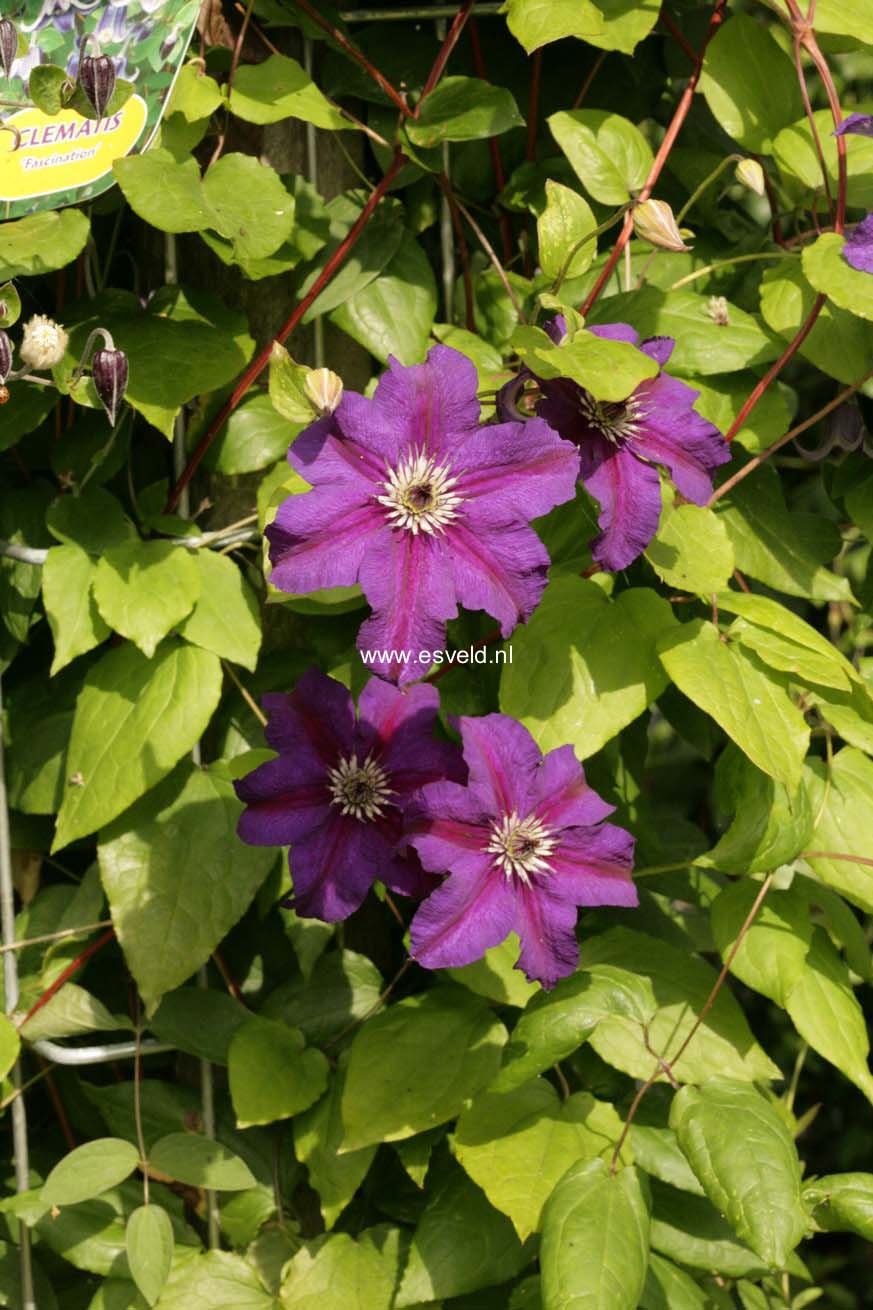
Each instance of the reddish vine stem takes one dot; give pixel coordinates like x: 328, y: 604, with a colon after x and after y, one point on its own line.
x: 534, y: 104
x: 677, y: 34
x: 67, y: 974
x: 493, y: 144
x: 260, y: 362
x: 356, y: 54
x: 448, y: 45
x: 707, y: 1006
x: 810, y: 117
x: 679, y: 116
x: 589, y: 80
x: 810, y: 44
x: 234, y: 65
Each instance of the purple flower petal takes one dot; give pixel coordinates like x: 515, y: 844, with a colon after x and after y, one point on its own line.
x: 334, y: 866
x: 319, y: 540
x: 409, y: 585
x: 659, y: 349
x: 522, y: 470
x: 616, y: 332
x: 323, y: 454
x: 282, y: 802
x: 629, y: 494
x: 503, y: 572
x: 462, y: 919
x: 430, y: 405
x: 503, y: 760
x: 318, y: 715
x: 673, y: 434
x: 858, y: 250
x: 855, y: 124
x: 562, y: 797
x: 449, y: 827
x: 593, y: 866
x: 546, y: 925
x: 402, y: 724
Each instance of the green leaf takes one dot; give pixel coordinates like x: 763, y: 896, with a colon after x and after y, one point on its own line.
x: 721, y: 399
x: 177, y: 877
x: 318, y: 1135
x: 145, y: 588
x: 343, y: 987
x: 67, y: 578
x: 786, y: 641
x: 840, y: 344
x: 681, y: 985
x: 844, y: 824
x: 280, y: 88
x: 216, y: 1279
x: 827, y: 1014
x: 10, y: 305
x: 9, y: 1045
x: 609, y: 370
x: 463, y: 109
x: 44, y: 88
x: 795, y: 152
x: 94, y: 521
x: 165, y: 193
x: 413, y: 1065
x: 563, y: 229
x: 393, y: 314
x: 42, y: 242
x: 744, y: 1156
x: 585, y: 666
x: 595, y: 1240
x: 772, y: 824
x: 654, y: 1144
x: 749, y: 83
x: 692, y: 550
x: 608, y: 154
x: 670, y: 1288
x: 850, y: 713
x: 831, y: 276
x: 271, y: 1075
x: 518, y: 1145
x: 135, y: 719
x: 89, y: 1170
x: 689, y: 1230
x: 195, y: 95
x: 496, y: 977
x: 200, y: 1021
x: 250, y: 205
x: 374, y: 249
x: 200, y: 1162
x: 730, y: 685
x: 537, y: 22
x: 254, y: 436
x: 786, y: 551
x: 842, y: 1203
x: 150, y: 1244
x: 28, y: 405
x: 71, y: 1012
x: 461, y: 1244
x: 625, y: 25
x: 225, y: 618
x: 352, y: 1274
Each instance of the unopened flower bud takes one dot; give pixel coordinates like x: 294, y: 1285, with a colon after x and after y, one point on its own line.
x: 5, y: 357
x: 43, y: 343
x: 750, y: 173
x: 109, y: 371
x: 8, y: 45
x: 323, y: 389
x: 654, y: 222
x: 97, y: 80
x: 718, y: 310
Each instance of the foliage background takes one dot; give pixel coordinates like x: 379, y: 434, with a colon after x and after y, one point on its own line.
x: 446, y: 1140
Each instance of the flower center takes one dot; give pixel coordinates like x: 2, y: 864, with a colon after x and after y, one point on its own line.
x: 617, y: 421
x: 360, y: 790
x: 418, y: 494
x: 521, y: 846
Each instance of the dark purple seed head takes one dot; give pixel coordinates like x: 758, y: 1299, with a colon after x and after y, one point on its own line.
x: 97, y: 80
x: 109, y: 371
x: 8, y: 44
x: 5, y: 357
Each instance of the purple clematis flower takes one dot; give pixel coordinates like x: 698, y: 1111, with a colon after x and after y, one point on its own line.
x: 523, y: 845
x: 422, y: 506
x: 338, y: 787
x: 855, y: 125
x: 621, y: 442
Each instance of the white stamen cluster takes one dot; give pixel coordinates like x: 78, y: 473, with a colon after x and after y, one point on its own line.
x: 419, y: 495
x: 521, y: 846
x: 617, y: 421
x: 43, y: 343
x: 360, y: 790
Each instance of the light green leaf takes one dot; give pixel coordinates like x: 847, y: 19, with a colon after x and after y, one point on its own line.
x: 135, y: 719
x: 844, y: 18
x: 692, y: 550
x: 842, y: 1203
x: 94, y: 521
x: 786, y: 641
x: 145, y: 588
x: 496, y: 977
x: 850, y: 713
x: 730, y: 685
x: 254, y: 437
x: 216, y: 1279
x: 681, y: 983
x: 563, y: 229
x: 609, y: 370
x: 280, y: 88
x: 463, y: 109
x: 225, y: 618
x: 67, y: 578
x: 271, y: 1075
x: 413, y: 1065
x: 318, y: 1134
x: 831, y: 276
x: 595, y: 1244
x: 608, y: 154
x: 827, y: 1014
x: 249, y: 204
x: 69, y: 1013
x: 352, y: 1274
x: 845, y: 824
x: 42, y: 242
x: 150, y: 1244
x: 461, y: 1244
x: 772, y: 824
x: 840, y: 344
x: 537, y: 22
x: 689, y: 1230
x: 195, y: 95
x: 9, y: 1045
x: 178, y: 878
x: 89, y: 1170
x: 373, y: 250
x: 11, y: 303
x: 670, y: 1288
x: 625, y: 25
x: 749, y: 83
x: 585, y: 666
x: 200, y: 1162
x: 518, y: 1145
x: 722, y: 398
x: 393, y: 314
x: 165, y: 193
x: 286, y: 384
x: 742, y: 1152
x: 795, y: 152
